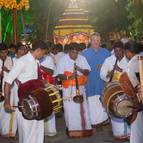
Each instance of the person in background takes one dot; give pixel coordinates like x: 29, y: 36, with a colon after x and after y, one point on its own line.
x: 7, y: 126
x: 12, y: 50
x: 95, y: 56
x: 66, y: 48
x: 82, y: 46
x: 47, y: 68
x: 60, y: 53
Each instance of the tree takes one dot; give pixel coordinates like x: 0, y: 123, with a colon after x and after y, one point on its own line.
x: 108, y: 15
x: 135, y: 17
x: 44, y: 15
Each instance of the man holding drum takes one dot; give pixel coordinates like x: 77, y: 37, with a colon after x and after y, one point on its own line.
x: 111, y: 70
x: 26, y: 68
x: 132, y: 49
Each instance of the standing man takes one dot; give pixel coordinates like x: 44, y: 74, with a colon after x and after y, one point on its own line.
x: 132, y: 49
x: 76, y: 114
x: 48, y: 67
x: 26, y: 68
x: 6, y: 120
x: 95, y: 56
x: 119, y: 63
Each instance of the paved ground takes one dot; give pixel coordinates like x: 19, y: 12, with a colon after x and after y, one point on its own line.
x: 102, y: 135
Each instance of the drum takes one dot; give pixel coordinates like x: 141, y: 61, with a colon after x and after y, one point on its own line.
x: 117, y: 102
x: 39, y: 103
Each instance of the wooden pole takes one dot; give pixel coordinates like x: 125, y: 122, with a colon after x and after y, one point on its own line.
x: 0, y: 27
x: 140, y: 61
x: 14, y: 18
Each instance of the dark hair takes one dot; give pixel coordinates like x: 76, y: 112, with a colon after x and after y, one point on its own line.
x: 38, y: 44
x: 133, y: 47
x: 12, y: 46
x: 19, y: 46
x: 82, y: 46
x: 74, y: 46
x: 118, y: 44
x: 59, y: 47
x: 3, y: 46
x: 49, y: 44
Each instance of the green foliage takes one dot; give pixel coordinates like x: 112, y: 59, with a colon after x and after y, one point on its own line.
x: 135, y: 16
x: 44, y: 15
x: 23, y: 17
x: 108, y: 15
x: 104, y: 15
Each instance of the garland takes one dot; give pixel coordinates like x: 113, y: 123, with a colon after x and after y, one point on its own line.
x: 12, y: 4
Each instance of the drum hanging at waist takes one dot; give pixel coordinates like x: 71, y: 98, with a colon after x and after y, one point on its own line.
x: 116, y: 102
x: 39, y: 103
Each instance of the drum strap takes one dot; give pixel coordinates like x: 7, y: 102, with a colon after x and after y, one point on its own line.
x: 39, y: 71
x: 114, y: 67
x: 18, y: 82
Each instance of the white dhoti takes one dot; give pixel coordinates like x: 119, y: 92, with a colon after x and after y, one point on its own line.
x: 137, y: 129
x: 97, y: 112
x: 76, y: 115
x: 120, y: 128
x: 8, y: 121
x: 50, y: 126
x: 30, y: 131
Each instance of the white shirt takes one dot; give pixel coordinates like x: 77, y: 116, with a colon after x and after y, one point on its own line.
x: 132, y: 69
x: 109, y: 64
x: 24, y: 69
x: 58, y: 56
x: 67, y: 64
x: 8, y: 64
x: 48, y: 62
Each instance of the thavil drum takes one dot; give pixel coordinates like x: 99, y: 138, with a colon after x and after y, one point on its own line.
x: 38, y: 100
x: 119, y: 98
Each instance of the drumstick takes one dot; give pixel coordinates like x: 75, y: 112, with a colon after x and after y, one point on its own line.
x: 140, y: 60
x: 114, y: 68
x: 136, y: 107
x: 56, y: 100
x: 17, y: 106
x: 54, y: 93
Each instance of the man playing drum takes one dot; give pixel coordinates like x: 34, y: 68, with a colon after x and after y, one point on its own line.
x: 25, y: 69
x: 132, y: 49
x: 111, y: 70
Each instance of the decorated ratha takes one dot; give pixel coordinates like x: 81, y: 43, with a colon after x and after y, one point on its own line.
x: 73, y: 26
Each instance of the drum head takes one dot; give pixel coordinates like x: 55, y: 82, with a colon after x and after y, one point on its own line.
x: 45, y: 103
x: 121, y: 106
x: 37, y: 105
x: 27, y: 110
x: 112, y: 89
x: 124, y: 108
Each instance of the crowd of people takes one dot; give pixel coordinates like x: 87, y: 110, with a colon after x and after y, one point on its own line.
x: 92, y: 66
